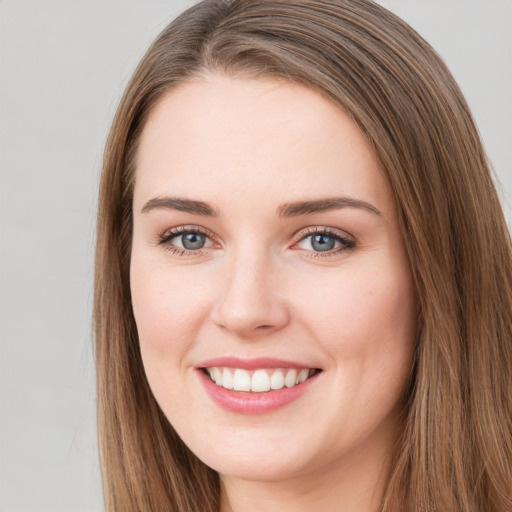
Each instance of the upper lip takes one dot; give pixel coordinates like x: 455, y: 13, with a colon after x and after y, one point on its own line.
x: 251, y: 364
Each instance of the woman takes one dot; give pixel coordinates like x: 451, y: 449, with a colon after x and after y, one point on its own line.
x: 303, y: 284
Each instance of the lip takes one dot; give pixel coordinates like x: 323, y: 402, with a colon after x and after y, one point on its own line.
x: 250, y: 364
x: 246, y: 402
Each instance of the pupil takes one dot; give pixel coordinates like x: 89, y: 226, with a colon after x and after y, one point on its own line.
x: 322, y: 243
x: 193, y: 241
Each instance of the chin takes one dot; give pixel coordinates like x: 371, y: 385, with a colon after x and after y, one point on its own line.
x: 256, y: 468
x: 253, y: 456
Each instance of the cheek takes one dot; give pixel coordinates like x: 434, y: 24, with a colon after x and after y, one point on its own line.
x: 164, y: 300
x: 168, y: 308
x: 364, y: 319
x: 367, y: 327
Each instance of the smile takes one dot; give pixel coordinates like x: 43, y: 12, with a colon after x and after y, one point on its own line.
x: 260, y: 380
x: 255, y: 386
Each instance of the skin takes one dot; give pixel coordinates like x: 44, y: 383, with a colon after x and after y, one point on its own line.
x: 260, y: 289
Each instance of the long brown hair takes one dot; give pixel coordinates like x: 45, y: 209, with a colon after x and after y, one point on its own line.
x: 455, y: 453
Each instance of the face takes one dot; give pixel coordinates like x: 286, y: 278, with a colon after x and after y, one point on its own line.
x: 271, y: 290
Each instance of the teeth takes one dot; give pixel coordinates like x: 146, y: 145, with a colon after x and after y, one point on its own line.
x: 227, y: 379
x: 303, y: 375
x: 277, y: 380
x: 241, y: 381
x: 217, y: 376
x: 291, y: 378
x: 260, y: 381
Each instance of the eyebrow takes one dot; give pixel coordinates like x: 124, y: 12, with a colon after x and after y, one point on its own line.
x: 293, y: 209
x: 322, y: 205
x: 182, y: 205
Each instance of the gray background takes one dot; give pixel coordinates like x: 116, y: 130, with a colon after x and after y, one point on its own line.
x: 63, y: 67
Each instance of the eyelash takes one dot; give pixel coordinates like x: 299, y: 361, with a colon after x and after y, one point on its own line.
x: 165, y: 240
x: 346, y: 244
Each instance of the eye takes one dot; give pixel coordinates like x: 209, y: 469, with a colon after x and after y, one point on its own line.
x: 190, y: 241
x: 185, y: 240
x: 324, y: 242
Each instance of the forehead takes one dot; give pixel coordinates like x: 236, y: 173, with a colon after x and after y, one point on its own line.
x: 218, y: 135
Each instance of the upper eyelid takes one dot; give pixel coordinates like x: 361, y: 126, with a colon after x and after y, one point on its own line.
x: 303, y: 233
x: 178, y: 230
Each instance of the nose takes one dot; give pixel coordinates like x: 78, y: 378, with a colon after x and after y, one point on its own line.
x: 249, y: 304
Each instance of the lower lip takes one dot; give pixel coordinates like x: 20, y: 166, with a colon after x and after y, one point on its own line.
x: 244, y: 402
